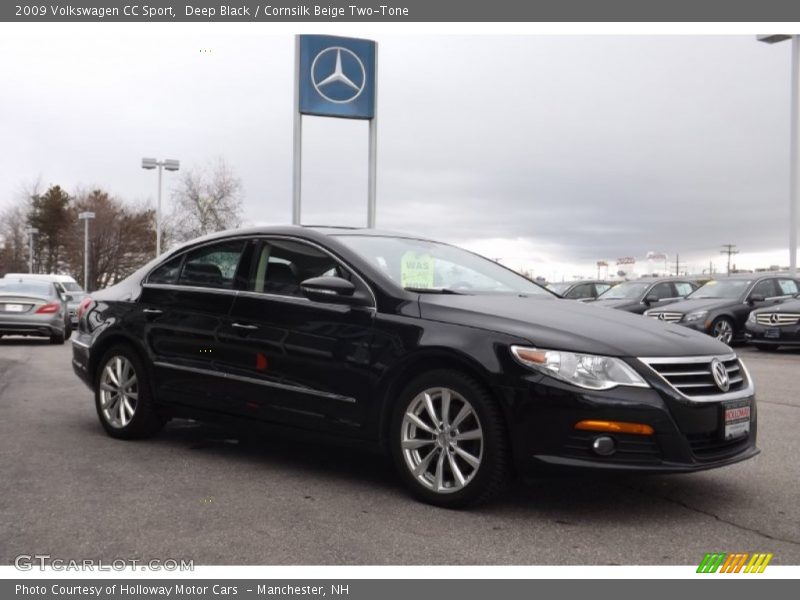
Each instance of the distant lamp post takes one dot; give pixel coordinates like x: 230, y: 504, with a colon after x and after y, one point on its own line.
x: 794, y: 195
x: 31, y: 231
x: 170, y: 165
x: 85, y: 217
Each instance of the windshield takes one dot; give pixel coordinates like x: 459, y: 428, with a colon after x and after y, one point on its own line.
x: 37, y: 288
x: 558, y: 288
x: 630, y: 290
x: 721, y: 288
x: 421, y: 265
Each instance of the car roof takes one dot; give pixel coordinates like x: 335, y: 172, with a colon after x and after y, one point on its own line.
x: 40, y: 277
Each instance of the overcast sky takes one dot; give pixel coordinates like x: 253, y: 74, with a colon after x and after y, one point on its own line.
x: 547, y: 151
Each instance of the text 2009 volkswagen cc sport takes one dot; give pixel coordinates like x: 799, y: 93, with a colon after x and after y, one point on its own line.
x: 462, y: 369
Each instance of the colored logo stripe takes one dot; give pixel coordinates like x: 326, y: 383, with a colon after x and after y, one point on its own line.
x: 734, y: 563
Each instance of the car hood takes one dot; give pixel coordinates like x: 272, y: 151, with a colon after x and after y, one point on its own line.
x: 615, y: 302
x: 790, y: 306
x: 565, y: 325
x: 692, y: 305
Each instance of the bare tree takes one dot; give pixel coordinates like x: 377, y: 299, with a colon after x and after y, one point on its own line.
x: 121, y: 238
x: 13, y: 240
x: 207, y: 199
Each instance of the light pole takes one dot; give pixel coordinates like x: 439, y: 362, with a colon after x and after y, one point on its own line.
x: 170, y: 165
x: 31, y: 232
x: 85, y: 216
x: 794, y: 144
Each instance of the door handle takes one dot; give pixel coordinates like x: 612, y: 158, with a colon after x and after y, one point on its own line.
x: 153, y: 311
x: 244, y: 326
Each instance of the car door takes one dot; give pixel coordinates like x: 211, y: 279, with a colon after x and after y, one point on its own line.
x: 768, y: 288
x: 299, y: 362
x: 182, y: 307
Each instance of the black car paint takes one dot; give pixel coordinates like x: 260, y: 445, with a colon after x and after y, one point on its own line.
x: 334, y: 370
x: 787, y: 335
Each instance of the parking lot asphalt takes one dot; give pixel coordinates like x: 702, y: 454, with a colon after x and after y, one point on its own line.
x: 195, y: 492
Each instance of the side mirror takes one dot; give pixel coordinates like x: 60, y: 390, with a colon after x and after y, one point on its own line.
x: 332, y: 290
x: 755, y: 298
x: 651, y: 299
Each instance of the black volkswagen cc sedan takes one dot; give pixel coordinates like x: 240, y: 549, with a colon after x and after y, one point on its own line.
x: 641, y: 294
x: 721, y: 306
x: 462, y: 370
x: 771, y: 327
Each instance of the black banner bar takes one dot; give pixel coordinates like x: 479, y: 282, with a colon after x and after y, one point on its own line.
x: 367, y: 11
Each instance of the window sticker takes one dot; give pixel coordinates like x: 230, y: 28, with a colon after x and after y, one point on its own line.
x: 416, y: 270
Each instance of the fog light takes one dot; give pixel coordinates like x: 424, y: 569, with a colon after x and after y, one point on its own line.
x: 604, y: 445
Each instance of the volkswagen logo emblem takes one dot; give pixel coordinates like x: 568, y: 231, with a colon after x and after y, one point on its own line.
x: 338, y: 75
x: 773, y: 318
x: 720, y: 374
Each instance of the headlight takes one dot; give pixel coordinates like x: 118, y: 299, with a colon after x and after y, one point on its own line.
x: 584, y: 370
x: 696, y: 315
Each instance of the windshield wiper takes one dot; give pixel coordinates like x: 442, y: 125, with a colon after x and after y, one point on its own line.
x: 420, y: 290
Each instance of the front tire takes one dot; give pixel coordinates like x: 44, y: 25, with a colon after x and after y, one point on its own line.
x: 123, y: 396
x: 448, y: 440
x: 722, y: 329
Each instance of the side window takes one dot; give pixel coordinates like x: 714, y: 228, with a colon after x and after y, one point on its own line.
x: 788, y: 287
x: 765, y: 287
x: 683, y: 288
x: 282, y: 265
x: 212, y: 266
x: 601, y: 287
x: 167, y: 272
x: 583, y: 290
x: 661, y: 291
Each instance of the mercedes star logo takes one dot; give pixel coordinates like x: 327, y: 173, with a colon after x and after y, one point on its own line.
x: 338, y: 75
x: 773, y: 318
x: 720, y: 374
x: 660, y: 316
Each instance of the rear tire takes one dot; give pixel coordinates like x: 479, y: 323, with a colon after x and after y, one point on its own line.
x: 448, y: 440
x: 123, y: 396
x: 57, y: 338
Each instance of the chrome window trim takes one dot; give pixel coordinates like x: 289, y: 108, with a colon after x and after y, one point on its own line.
x: 268, y: 236
x: 253, y: 380
x: 245, y: 238
x: 741, y: 394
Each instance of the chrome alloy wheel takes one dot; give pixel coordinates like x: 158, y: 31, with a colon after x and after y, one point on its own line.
x: 119, y: 392
x: 442, y: 440
x: 723, y: 331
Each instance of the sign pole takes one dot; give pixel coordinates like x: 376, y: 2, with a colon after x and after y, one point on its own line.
x: 373, y: 153
x: 794, y: 158
x: 298, y: 138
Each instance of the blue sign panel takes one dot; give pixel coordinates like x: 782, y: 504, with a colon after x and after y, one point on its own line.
x: 337, y: 77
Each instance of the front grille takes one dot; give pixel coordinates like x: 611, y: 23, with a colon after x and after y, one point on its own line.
x: 669, y: 317
x: 630, y: 448
x: 692, y: 376
x: 710, y: 446
x: 777, y: 318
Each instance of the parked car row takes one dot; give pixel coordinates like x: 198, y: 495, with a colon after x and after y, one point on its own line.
x: 763, y: 310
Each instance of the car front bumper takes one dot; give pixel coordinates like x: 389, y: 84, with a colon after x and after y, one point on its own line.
x: 688, y: 435
x: 765, y: 335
